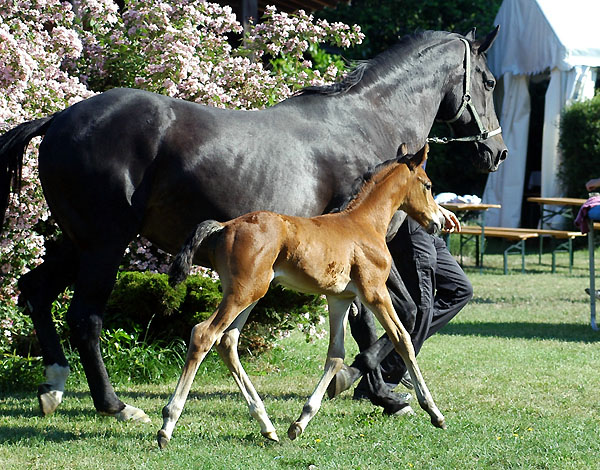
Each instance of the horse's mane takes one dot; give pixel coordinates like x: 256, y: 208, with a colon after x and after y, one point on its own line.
x: 363, y: 184
x: 396, y: 54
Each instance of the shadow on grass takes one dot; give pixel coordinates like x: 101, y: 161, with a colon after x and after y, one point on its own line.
x: 13, y: 435
x: 570, y: 332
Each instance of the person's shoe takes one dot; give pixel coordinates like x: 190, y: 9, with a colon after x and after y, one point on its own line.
x: 587, y: 291
x: 342, y: 381
x: 405, y: 410
x: 392, y: 402
x: 406, y: 381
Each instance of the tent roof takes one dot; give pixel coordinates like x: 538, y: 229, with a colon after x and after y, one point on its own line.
x: 539, y: 34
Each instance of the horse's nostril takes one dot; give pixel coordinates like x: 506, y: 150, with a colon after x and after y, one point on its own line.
x: 503, y: 155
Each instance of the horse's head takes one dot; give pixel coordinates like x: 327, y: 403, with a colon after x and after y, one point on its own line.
x: 469, y: 107
x: 419, y: 202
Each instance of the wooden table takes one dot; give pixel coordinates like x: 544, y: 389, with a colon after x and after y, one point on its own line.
x: 563, y: 206
x: 568, y: 205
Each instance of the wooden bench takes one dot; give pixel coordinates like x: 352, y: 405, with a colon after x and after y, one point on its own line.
x: 519, y: 236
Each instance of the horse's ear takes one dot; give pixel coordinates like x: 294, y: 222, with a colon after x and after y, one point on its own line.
x: 471, y: 34
x: 402, y: 150
x: 484, y: 44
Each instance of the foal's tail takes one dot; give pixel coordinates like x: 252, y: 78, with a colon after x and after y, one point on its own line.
x: 183, y: 261
x: 12, y: 148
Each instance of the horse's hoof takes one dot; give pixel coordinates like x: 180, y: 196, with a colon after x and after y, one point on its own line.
x: 294, y: 431
x: 131, y: 413
x: 48, y: 399
x: 271, y: 435
x: 163, y: 439
x: 342, y: 381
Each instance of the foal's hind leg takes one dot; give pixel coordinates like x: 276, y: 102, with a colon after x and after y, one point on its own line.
x: 202, y: 339
x: 338, y: 316
x: 379, y: 302
x: 227, y: 347
x: 39, y: 288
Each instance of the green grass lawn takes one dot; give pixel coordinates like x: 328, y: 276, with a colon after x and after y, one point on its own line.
x: 515, y: 374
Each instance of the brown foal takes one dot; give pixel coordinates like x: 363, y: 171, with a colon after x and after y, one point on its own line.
x: 340, y: 255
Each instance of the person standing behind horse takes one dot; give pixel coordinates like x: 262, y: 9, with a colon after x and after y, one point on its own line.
x: 427, y: 284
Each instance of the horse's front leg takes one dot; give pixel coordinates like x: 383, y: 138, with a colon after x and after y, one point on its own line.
x: 338, y: 316
x: 227, y: 347
x: 380, y: 304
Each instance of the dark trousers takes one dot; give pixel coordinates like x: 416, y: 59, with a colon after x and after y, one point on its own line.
x: 428, y: 288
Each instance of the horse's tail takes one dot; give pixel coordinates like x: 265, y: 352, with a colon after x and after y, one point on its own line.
x: 183, y: 261
x: 12, y: 148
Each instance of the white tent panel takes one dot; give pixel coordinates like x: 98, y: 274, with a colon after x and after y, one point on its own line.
x: 505, y: 186
x: 535, y: 36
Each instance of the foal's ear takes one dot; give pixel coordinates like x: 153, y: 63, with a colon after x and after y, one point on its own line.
x: 484, y: 44
x: 419, y: 158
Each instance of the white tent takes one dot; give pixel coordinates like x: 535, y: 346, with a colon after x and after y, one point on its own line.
x: 538, y: 36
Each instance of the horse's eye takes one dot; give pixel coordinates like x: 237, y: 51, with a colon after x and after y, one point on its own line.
x: 428, y: 186
x: 489, y: 84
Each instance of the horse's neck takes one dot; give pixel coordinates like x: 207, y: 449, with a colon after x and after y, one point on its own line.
x: 405, y: 100
x: 377, y: 206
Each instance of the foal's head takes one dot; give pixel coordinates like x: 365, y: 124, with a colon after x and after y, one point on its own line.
x: 419, y: 202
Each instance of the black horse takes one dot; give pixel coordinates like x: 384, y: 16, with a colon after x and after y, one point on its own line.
x: 129, y: 162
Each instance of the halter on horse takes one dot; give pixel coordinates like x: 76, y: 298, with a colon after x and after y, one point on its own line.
x: 340, y: 255
x: 129, y: 162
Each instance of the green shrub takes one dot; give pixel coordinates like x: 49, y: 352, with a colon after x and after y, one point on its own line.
x: 146, y: 302
x: 580, y: 146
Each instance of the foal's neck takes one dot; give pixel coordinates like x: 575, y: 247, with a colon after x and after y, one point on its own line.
x: 380, y: 198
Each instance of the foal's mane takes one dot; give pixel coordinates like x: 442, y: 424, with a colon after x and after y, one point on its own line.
x: 388, y: 59
x: 364, y: 184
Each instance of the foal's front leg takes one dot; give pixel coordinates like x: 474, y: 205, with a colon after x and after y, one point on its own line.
x: 380, y: 304
x: 338, y: 317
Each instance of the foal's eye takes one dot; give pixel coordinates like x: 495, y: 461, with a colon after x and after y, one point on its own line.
x: 427, y: 186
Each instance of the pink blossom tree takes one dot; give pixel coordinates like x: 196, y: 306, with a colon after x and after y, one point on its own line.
x: 51, y: 57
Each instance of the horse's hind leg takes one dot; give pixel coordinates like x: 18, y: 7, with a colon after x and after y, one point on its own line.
x: 227, y: 347
x: 96, y: 275
x: 39, y: 288
x: 338, y: 316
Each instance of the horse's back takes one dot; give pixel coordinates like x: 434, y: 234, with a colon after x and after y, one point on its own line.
x: 96, y: 155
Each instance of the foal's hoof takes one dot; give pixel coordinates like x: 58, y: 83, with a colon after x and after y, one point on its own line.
x: 294, y: 431
x: 48, y: 399
x: 163, y: 439
x: 271, y: 435
x: 439, y: 422
x: 342, y: 381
